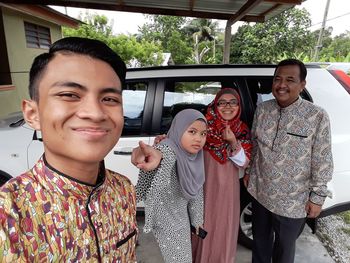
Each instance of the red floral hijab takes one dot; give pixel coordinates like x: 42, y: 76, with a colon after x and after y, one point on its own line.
x: 216, y: 145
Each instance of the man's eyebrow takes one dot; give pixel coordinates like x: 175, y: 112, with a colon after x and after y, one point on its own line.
x: 72, y: 84
x: 112, y: 90
x: 69, y: 84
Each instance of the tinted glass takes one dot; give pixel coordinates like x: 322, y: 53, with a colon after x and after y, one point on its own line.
x: 133, y: 104
x: 183, y: 95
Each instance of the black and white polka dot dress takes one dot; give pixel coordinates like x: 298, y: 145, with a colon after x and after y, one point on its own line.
x: 167, y: 213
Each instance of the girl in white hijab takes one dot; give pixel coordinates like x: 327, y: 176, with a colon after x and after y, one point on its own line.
x: 173, y: 192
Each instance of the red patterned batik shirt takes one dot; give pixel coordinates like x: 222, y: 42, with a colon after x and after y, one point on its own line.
x: 46, y: 216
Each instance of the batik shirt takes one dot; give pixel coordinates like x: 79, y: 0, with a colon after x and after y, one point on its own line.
x: 46, y: 216
x: 292, y: 157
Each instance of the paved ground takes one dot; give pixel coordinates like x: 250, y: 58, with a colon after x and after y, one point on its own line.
x: 309, y: 249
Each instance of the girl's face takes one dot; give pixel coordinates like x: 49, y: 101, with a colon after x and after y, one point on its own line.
x: 228, y: 106
x: 194, y: 137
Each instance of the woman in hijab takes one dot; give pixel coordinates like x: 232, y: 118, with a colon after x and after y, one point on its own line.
x: 227, y: 149
x: 173, y: 192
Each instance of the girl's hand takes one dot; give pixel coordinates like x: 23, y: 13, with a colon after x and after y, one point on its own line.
x: 159, y: 138
x: 145, y: 157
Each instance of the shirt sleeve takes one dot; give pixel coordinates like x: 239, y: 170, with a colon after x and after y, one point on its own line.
x: 321, y: 161
x: 195, y: 209
x: 254, y: 140
x: 157, y: 178
x: 9, y: 238
x: 239, y: 158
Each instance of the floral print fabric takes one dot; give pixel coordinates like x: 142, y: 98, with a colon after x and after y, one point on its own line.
x: 48, y: 217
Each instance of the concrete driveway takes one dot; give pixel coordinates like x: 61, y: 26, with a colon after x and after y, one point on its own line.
x: 309, y: 249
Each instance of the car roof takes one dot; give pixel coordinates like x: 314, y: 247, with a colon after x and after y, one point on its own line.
x: 203, y: 71
x: 214, y: 66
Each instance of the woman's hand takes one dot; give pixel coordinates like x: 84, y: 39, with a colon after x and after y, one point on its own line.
x: 229, y: 136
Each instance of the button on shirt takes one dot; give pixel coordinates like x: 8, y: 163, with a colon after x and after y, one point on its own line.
x: 292, y: 157
x: 48, y: 217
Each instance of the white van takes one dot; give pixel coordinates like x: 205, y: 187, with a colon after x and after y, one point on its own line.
x: 153, y: 96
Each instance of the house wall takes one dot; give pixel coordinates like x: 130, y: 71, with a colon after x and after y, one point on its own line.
x: 20, y: 57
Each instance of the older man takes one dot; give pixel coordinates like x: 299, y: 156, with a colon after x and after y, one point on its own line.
x: 291, y: 165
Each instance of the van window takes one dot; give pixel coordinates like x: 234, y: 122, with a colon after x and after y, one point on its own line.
x: 261, y: 90
x: 133, y: 104
x: 183, y: 95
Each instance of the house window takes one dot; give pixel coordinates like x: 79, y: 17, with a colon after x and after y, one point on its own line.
x: 37, y: 36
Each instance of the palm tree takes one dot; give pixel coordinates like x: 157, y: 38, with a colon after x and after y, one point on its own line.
x: 201, y: 30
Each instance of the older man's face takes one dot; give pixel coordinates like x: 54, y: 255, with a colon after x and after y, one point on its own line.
x: 287, y: 85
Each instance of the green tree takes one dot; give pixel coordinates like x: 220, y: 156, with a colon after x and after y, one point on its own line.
x: 338, y: 50
x: 286, y: 34
x: 94, y: 27
x: 128, y: 47
x: 168, y: 32
x: 203, y: 33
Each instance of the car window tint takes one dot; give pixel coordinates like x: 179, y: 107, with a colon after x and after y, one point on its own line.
x: 133, y: 104
x: 260, y: 89
x: 184, y: 95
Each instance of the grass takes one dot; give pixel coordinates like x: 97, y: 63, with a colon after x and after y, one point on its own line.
x: 346, y: 230
x: 345, y: 216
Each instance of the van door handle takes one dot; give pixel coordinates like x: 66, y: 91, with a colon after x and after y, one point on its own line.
x: 124, y: 151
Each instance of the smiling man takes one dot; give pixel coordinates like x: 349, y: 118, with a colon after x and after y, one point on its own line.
x: 68, y: 207
x: 291, y: 165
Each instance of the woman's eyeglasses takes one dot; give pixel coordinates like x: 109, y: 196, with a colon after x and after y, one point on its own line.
x: 224, y: 103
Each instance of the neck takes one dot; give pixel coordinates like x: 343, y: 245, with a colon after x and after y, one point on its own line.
x: 83, y: 172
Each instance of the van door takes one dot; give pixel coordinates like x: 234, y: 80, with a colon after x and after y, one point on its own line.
x: 138, y: 100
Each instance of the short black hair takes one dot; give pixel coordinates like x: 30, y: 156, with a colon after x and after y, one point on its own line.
x: 84, y: 46
x: 293, y: 62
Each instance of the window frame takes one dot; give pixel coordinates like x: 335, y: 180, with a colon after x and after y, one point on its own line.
x: 37, y: 36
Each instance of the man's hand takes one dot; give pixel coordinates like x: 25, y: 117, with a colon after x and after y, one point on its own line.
x: 246, y: 180
x: 312, y: 209
x: 145, y: 157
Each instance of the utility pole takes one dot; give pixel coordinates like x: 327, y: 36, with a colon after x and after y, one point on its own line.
x: 320, y: 36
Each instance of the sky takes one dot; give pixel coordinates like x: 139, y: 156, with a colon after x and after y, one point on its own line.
x: 338, y: 16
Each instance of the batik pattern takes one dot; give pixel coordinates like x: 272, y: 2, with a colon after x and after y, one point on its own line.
x: 292, y: 157
x: 48, y: 217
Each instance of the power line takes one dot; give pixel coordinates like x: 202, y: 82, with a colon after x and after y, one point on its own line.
x: 330, y: 19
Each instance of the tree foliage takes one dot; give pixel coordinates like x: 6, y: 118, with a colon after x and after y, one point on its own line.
x: 265, y: 42
x: 203, y: 33
x: 168, y: 32
x: 128, y: 47
x: 337, y: 50
x: 201, y: 41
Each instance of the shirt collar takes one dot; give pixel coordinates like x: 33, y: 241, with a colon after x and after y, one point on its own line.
x: 54, y: 180
x: 295, y: 105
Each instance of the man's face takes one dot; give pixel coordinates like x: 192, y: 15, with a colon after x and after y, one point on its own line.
x: 287, y: 85
x: 79, y: 111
